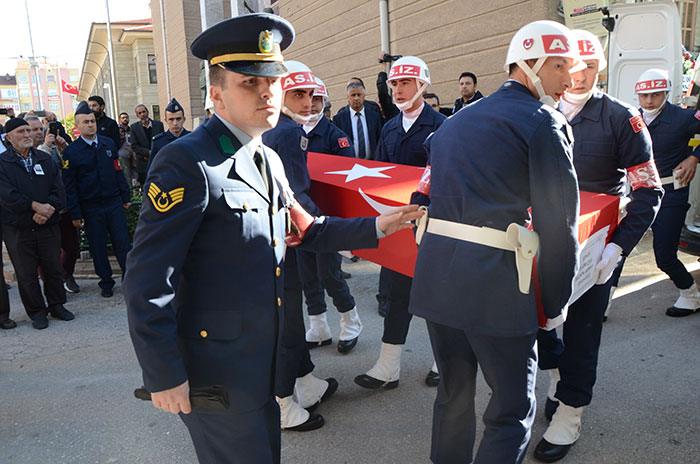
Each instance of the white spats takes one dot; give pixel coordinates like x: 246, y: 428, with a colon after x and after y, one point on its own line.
x: 565, y: 427
x: 554, y: 378
x: 318, y: 329
x: 308, y: 390
x: 388, y: 366
x: 291, y: 414
x: 688, y: 299
x: 435, y: 368
x: 350, y: 325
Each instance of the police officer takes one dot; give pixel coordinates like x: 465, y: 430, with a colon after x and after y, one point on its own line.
x: 401, y: 142
x: 97, y: 195
x: 671, y: 127
x: 204, y: 288
x: 489, y: 164
x: 610, y: 139
x: 175, y: 119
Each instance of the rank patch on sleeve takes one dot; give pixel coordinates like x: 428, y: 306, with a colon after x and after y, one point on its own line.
x: 637, y: 123
x: 164, y: 201
x: 343, y: 142
x: 65, y: 163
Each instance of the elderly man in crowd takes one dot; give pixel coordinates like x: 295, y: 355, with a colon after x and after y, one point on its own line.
x: 142, y: 133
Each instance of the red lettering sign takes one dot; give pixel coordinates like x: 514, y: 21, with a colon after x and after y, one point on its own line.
x: 644, y: 175
x: 637, y: 123
x: 406, y: 70
x: 343, y: 142
x: 424, y: 184
x: 555, y: 43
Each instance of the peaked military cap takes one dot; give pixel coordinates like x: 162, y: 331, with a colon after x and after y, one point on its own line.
x: 248, y: 44
x: 174, y: 106
x: 83, y: 108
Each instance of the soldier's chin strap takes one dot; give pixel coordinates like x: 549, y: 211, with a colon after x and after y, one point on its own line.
x: 536, y: 81
x: 297, y: 118
x: 408, y: 104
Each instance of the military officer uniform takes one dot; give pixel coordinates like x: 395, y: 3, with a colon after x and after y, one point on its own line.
x: 480, y: 312
x: 164, y: 138
x: 96, y: 191
x: 204, y: 288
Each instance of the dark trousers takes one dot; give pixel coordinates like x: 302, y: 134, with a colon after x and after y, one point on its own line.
x: 30, y: 248
x: 4, y: 296
x: 70, y: 245
x: 384, y: 284
x: 667, y: 233
x: 397, y: 320
x: 322, y: 270
x: 245, y: 438
x: 99, y: 221
x: 293, y: 358
x: 509, y: 365
x: 576, y: 355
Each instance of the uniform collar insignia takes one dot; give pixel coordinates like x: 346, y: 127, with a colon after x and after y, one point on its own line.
x: 226, y: 145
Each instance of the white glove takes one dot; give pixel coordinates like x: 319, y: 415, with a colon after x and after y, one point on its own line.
x: 557, y: 321
x: 608, y: 261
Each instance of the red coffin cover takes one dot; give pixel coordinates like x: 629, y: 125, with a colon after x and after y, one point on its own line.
x: 351, y: 187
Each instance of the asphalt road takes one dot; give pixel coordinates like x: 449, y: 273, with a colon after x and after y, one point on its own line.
x: 66, y: 392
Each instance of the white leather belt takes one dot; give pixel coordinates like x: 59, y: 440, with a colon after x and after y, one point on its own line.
x: 667, y: 180
x: 518, y: 239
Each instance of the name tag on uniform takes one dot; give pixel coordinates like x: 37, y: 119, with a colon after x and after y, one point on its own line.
x: 38, y: 170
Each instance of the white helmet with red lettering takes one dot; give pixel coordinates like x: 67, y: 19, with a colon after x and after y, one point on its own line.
x: 321, y: 89
x: 590, y: 48
x: 653, y: 80
x: 409, y: 67
x: 540, y: 40
x: 298, y: 77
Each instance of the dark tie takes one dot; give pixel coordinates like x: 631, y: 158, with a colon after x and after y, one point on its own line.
x: 360, y: 137
x: 260, y: 163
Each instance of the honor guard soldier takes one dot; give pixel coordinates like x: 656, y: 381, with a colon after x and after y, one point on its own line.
x: 324, y: 136
x: 174, y: 118
x: 611, y: 139
x: 294, y: 367
x: 402, y: 142
x: 490, y: 164
x: 671, y: 127
x: 97, y: 195
x: 204, y: 290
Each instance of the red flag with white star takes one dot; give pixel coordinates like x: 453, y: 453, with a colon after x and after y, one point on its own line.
x: 69, y: 88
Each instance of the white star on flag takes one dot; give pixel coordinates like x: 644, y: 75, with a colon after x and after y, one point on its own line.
x: 359, y: 171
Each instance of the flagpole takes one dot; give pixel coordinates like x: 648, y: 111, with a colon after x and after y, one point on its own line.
x: 113, y: 72
x: 60, y: 91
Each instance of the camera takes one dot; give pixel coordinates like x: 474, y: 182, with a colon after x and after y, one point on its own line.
x: 389, y: 58
x: 54, y: 128
x: 3, y: 110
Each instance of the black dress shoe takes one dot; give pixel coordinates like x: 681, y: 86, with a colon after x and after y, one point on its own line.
x: 550, y: 407
x: 107, y: 293
x: 679, y: 312
x: 8, y: 324
x: 432, y: 379
x: 346, y: 275
x: 332, y: 388
x: 315, y: 421
x: 365, y: 381
x: 40, y: 323
x: 547, y: 452
x: 311, y: 345
x: 71, y: 285
x: 64, y: 315
x: 346, y: 346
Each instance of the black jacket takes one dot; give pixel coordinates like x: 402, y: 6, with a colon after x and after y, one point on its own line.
x: 142, y: 144
x: 108, y: 127
x: 459, y: 103
x: 18, y: 188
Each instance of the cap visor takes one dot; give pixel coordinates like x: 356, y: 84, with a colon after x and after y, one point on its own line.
x: 257, y: 68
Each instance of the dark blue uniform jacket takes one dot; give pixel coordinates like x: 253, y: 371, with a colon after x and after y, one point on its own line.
x: 491, y: 162
x: 670, y: 132
x: 161, y: 140
x: 606, y: 145
x: 328, y: 138
x: 18, y: 188
x: 92, y: 176
x: 401, y: 147
x: 204, y: 280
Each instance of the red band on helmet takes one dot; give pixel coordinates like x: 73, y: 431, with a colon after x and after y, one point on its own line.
x: 660, y: 84
x: 555, y: 43
x: 638, y: 123
x: 424, y: 184
x: 586, y: 48
x: 644, y: 175
x: 406, y: 70
x: 299, y: 78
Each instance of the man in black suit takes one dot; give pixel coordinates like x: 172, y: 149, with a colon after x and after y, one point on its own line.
x: 360, y: 122
x: 142, y: 133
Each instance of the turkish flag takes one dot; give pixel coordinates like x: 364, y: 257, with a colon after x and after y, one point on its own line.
x: 69, y: 88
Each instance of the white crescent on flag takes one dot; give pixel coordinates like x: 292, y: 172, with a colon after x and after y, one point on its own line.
x: 378, y: 207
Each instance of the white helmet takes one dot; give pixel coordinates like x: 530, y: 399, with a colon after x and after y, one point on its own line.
x: 540, y: 40
x: 298, y: 77
x: 321, y: 89
x: 409, y: 67
x: 653, y: 80
x: 590, y: 48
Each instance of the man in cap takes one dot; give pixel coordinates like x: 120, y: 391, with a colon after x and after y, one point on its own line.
x: 31, y: 196
x: 204, y: 288
x: 612, y: 145
x: 97, y: 195
x: 175, y: 119
x: 473, y: 280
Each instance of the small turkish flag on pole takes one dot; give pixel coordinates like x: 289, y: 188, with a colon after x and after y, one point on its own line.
x: 69, y: 88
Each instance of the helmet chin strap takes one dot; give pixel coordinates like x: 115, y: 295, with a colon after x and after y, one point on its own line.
x: 297, y: 118
x: 536, y: 81
x: 407, y: 105
x: 656, y: 111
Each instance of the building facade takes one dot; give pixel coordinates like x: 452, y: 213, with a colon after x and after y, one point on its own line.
x: 134, y: 63
x: 9, y: 97
x: 48, y: 93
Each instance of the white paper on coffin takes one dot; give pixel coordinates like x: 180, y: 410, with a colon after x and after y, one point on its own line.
x: 590, y: 252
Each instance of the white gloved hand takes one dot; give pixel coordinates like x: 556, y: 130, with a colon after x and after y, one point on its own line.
x: 557, y: 321
x: 608, y: 261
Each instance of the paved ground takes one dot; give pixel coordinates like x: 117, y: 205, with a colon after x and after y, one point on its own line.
x: 66, y: 392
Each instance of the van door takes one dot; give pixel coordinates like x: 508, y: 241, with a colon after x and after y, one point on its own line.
x: 645, y: 35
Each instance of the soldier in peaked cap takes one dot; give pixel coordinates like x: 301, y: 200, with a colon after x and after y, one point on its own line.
x: 204, y: 290
x: 174, y: 118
